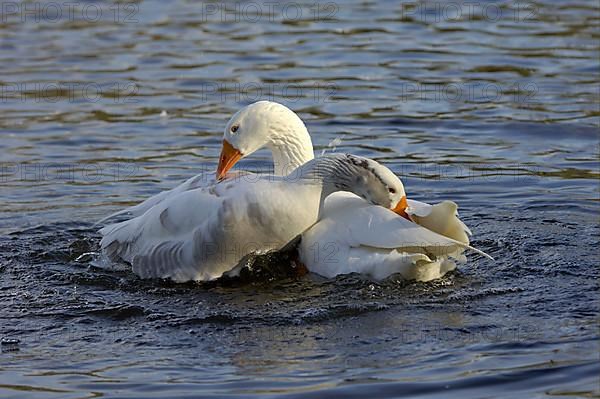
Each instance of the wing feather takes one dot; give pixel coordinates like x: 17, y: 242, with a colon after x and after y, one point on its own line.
x: 194, y: 182
x: 346, y: 217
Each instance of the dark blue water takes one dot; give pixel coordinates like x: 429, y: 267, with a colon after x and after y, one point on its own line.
x: 494, y: 106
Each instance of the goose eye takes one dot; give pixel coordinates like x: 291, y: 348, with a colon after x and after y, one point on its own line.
x: 392, y: 190
x: 234, y: 128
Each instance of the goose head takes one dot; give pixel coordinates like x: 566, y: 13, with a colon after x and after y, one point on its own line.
x: 382, y: 186
x: 266, y: 124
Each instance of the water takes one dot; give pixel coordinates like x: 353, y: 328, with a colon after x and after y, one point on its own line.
x: 494, y: 107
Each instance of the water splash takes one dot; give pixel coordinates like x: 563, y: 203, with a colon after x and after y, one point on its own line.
x: 332, y: 145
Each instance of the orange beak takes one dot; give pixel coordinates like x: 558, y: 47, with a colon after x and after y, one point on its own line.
x: 229, y: 157
x: 400, y: 209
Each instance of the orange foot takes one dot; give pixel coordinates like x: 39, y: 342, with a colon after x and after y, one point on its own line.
x: 301, y: 269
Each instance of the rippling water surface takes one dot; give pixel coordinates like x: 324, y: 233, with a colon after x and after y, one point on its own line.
x: 494, y: 106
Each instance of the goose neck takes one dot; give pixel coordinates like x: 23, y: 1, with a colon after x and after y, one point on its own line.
x: 290, y: 150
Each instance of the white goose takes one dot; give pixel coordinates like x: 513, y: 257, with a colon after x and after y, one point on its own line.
x: 352, y: 235
x: 201, y: 233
